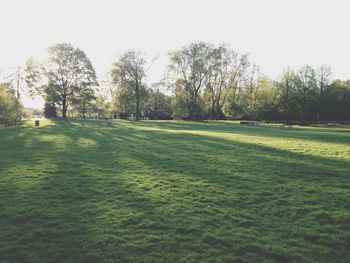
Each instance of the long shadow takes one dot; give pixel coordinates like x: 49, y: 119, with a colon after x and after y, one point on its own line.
x: 294, y: 178
x: 315, y: 134
x: 137, y: 195
x: 59, y: 211
x: 323, y: 182
x: 67, y: 216
x: 40, y: 220
x: 231, y: 157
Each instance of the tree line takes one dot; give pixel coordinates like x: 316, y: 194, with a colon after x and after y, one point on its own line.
x: 201, y: 81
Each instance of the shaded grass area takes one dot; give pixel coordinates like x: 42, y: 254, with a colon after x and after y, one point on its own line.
x: 71, y: 191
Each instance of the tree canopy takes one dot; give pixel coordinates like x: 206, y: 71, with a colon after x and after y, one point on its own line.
x: 67, y: 76
x: 128, y: 75
x: 10, y: 106
x: 202, y: 81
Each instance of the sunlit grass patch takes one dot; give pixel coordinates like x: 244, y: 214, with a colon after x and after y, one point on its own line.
x: 73, y: 191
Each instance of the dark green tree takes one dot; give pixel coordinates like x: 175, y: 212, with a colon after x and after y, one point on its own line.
x: 50, y: 110
x: 158, y: 105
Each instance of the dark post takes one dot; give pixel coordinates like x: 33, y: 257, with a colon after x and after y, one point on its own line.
x: 37, y: 122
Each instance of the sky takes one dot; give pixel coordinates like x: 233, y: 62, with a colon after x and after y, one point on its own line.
x: 275, y: 33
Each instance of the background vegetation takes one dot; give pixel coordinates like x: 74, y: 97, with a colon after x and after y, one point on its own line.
x: 202, y: 81
x: 10, y: 106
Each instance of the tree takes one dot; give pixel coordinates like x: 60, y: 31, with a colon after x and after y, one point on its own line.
x: 232, y: 106
x: 266, y: 103
x: 32, y: 75
x: 307, y: 92
x: 337, y: 101
x: 128, y: 75
x: 50, y: 110
x: 83, y: 99
x: 286, y: 86
x: 158, y: 105
x: 124, y: 102
x: 323, y: 75
x: 100, y: 106
x: 189, y: 70
x: 179, y: 104
x: 65, y: 74
x: 228, y: 67
x: 11, y: 109
x: 249, y: 96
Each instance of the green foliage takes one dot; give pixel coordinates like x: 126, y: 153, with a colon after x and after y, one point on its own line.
x: 173, y: 192
x: 83, y: 100
x: 219, y: 83
x: 336, y: 101
x: 11, y: 109
x: 179, y: 105
x: 249, y: 94
x: 225, y: 76
x: 287, y: 95
x: 50, y: 110
x: 189, y: 70
x: 32, y: 75
x: 309, y: 95
x: 124, y: 102
x: 32, y: 112
x: 101, y: 107
x: 158, y: 106
x: 67, y: 77
x: 128, y: 75
x: 207, y: 81
x: 266, y: 97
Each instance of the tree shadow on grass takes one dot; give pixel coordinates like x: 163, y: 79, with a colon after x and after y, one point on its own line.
x: 136, y: 195
x: 339, y: 136
x: 273, y: 184
x: 82, y: 209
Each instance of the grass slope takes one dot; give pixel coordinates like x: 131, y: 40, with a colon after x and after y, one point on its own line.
x: 71, y: 191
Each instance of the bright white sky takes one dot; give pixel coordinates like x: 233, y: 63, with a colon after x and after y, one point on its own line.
x: 276, y: 33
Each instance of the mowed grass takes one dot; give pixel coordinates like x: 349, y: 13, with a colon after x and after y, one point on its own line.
x: 72, y: 191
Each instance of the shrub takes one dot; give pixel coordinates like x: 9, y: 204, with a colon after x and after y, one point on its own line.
x: 11, y: 110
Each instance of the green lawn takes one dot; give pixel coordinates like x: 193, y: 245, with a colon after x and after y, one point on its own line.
x: 72, y: 191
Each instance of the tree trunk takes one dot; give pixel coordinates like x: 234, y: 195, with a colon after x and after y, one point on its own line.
x: 320, y: 107
x: 212, y: 112
x: 64, y: 107
x: 193, y: 113
x: 218, y: 111
x: 138, y: 111
x: 83, y: 110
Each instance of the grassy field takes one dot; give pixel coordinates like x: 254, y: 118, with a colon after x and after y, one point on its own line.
x: 72, y: 191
